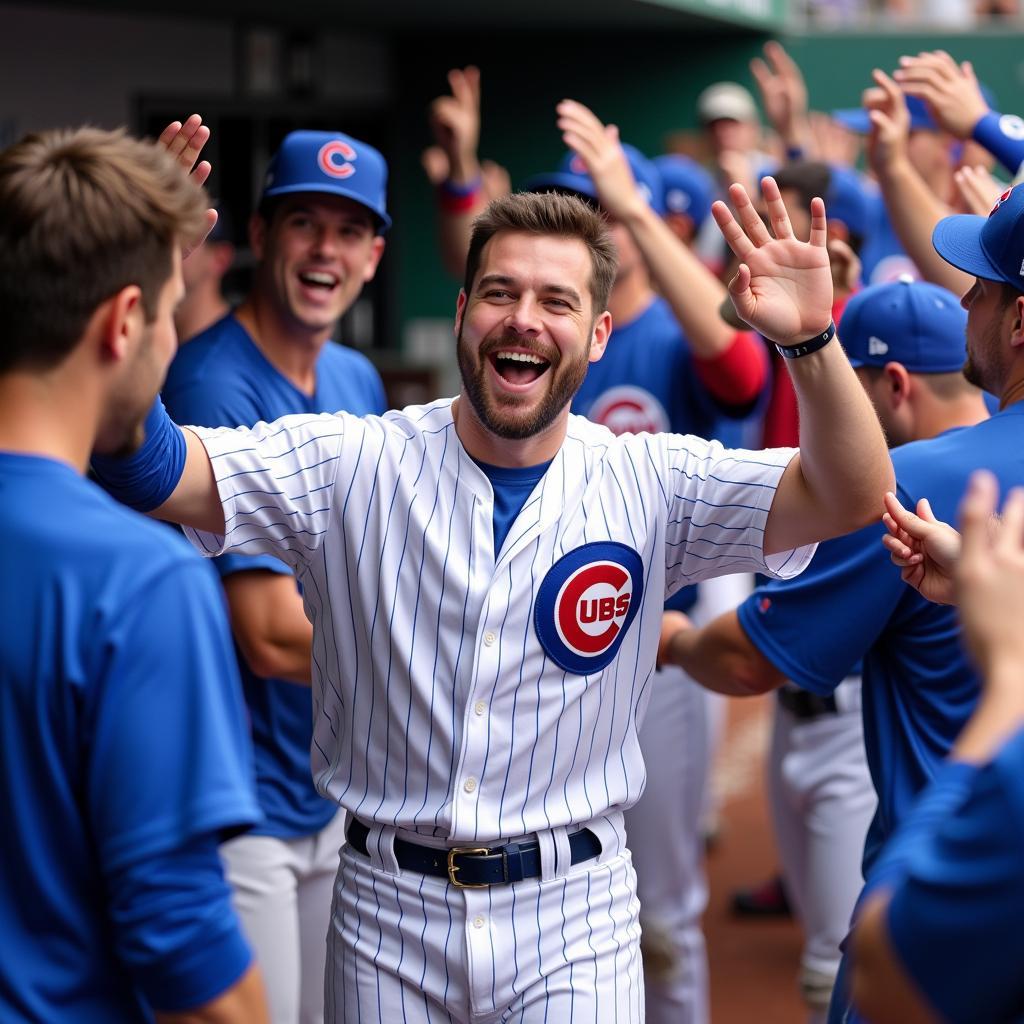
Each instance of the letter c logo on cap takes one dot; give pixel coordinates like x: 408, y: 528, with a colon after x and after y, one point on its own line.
x: 335, y: 159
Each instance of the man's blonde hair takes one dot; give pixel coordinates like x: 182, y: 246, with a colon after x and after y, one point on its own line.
x: 84, y: 214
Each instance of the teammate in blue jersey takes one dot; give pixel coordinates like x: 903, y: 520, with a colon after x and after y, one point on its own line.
x: 918, y: 688
x: 123, y: 754
x: 939, y: 934
x: 317, y: 239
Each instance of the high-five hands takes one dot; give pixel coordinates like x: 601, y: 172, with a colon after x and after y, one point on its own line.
x: 185, y: 141
x: 782, y: 287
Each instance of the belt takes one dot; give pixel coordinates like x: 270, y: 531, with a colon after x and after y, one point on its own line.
x: 805, y: 705
x: 476, y: 867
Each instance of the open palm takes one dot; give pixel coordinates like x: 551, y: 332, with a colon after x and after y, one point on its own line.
x: 783, y: 287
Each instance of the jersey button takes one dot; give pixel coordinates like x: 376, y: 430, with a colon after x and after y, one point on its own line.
x: 479, y: 707
x: 478, y: 922
x: 489, y: 639
x: 469, y: 785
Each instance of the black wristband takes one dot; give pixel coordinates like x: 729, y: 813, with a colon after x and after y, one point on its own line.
x: 805, y: 348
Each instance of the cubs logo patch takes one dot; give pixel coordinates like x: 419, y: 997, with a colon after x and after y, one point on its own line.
x: 335, y: 159
x: 629, y: 410
x: 586, y: 604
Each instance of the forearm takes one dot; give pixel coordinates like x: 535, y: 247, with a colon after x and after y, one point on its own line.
x: 691, y: 290
x: 914, y: 211
x: 1006, y: 147
x: 721, y: 658
x: 837, y: 482
x: 270, y: 624
x: 460, y: 199
x: 243, y: 1003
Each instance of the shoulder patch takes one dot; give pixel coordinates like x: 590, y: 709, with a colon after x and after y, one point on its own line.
x: 629, y: 410
x: 586, y: 603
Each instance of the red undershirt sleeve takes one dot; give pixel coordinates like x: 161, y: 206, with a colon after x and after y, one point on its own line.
x: 737, y: 375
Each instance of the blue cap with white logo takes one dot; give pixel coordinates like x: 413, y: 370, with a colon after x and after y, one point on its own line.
x: 572, y: 176
x: 915, y: 323
x: 688, y: 188
x: 989, y: 247
x: 330, y: 162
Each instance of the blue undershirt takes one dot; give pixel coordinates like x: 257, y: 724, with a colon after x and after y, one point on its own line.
x: 511, y: 489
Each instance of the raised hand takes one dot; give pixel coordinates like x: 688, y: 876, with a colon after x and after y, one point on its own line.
x: 455, y: 120
x: 951, y: 90
x: 990, y: 578
x: 783, y: 93
x: 782, y: 287
x: 890, y: 122
x: 925, y: 548
x: 185, y: 141
x: 598, y: 146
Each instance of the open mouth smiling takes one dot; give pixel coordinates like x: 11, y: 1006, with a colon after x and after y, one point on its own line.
x: 518, y: 368
x: 319, y: 280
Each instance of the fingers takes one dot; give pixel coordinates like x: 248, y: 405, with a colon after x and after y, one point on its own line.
x: 894, y: 101
x: 582, y: 130
x: 734, y: 235
x: 819, y: 223
x: 739, y: 292
x: 465, y: 85
x: 185, y: 141
x: 779, y: 58
x: 778, y: 215
x: 202, y: 172
x: 914, y: 526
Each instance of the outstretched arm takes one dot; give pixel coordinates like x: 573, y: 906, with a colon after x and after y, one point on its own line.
x: 913, y: 209
x: 692, y: 291
x: 718, y: 655
x: 783, y: 289
x: 455, y: 120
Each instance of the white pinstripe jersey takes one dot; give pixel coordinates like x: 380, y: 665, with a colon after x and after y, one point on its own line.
x: 456, y: 692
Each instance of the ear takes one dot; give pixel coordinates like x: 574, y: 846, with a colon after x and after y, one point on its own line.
x: 460, y: 309
x: 119, y: 320
x: 599, y: 336
x: 1017, y: 330
x: 258, y: 229
x: 898, y: 384
x: 376, y: 251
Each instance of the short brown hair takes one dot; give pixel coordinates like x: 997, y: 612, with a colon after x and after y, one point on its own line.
x: 549, y: 213
x: 84, y: 214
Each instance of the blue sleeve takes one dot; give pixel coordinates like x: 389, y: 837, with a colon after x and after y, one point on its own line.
x: 169, y: 755
x: 1003, y: 136
x: 200, y: 404
x: 232, y: 562
x: 816, y: 627
x: 174, y: 927
x: 955, y: 920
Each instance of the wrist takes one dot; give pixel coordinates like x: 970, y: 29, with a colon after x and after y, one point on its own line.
x: 799, y: 349
x: 459, y: 197
x: 463, y: 169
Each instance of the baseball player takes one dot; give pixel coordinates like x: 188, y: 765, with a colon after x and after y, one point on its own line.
x: 918, y: 688
x: 485, y: 576
x: 317, y: 237
x: 939, y: 934
x: 653, y: 377
x: 123, y: 757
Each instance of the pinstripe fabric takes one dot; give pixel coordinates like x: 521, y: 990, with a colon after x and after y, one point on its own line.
x: 436, y: 707
x: 414, y: 949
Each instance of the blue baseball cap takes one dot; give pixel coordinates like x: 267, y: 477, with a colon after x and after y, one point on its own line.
x: 989, y: 247
x: 330, y: 162
x: 572, y: 176
x: 915, y: 323
x: 687, y: 187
